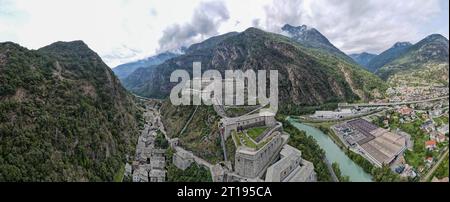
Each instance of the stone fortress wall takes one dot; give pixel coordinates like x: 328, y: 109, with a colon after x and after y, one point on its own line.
x: 247, y: 121
x: 275, y: 159
x: 291, y: 167
x: 252, y: 163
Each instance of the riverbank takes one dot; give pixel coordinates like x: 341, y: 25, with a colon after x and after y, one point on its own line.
x: 334, y: 153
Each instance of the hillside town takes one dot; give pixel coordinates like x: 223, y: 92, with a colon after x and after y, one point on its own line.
x: 415, y: 93
x: 410, y: 138
x: 148, y: 164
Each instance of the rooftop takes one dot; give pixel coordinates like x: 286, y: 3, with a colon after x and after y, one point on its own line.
x: 232, y: 120
x: 243, y: 139
x: 380, y: 144
x: 430, y: 143
x: 298, y: 169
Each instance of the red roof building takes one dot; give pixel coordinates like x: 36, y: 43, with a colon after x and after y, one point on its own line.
x: 430, y: 144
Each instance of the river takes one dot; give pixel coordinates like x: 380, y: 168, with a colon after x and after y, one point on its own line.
x: 334, y: 154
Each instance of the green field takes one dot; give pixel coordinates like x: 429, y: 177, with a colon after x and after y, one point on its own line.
x: 247, y: 141
x: 256, y: 132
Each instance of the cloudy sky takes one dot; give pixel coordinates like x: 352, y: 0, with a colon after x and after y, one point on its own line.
x: 127, y: 30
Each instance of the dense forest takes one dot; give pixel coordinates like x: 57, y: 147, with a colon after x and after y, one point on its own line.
x: 310, y: 150
x: 63, y: 115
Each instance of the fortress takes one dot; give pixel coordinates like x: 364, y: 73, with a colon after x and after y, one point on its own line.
x: 251, y: 163
x: 261, y: 146
x: 247, y: 121
x: 291, y: 168
x: 262, y: 151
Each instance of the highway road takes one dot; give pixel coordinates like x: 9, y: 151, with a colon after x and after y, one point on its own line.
x: 343, y: 105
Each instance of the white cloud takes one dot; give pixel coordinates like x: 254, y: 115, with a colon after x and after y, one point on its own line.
x: 109, y: 27
x: 127, y: 30
x: 205, y: 22
x: 354, y: 25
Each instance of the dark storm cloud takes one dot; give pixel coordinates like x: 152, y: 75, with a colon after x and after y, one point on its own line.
x: 355, y: 25
x: 205, y: 22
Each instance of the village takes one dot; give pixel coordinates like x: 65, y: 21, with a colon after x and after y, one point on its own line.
x: 411, y: 93
x: 427, y: 125
x: 148, y: 164
x: 410, y: 138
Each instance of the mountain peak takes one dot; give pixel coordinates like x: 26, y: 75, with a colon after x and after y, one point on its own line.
x: 213, y: 41
x: 363, y: 58
x: 432, y: 51
x: 253, y: 30
x: 401, y: 44
x: 305, y: 34
x: 388, y: 55
x: 124, y: 70
x: 435, y: 37
x: 70, y: 89
x: 259, y: 50
x: 77, y: 45
x: 75, y: 48
x: 433, y: 41
x: 311, y: 37
x: 289, y: 28
x: 366, y: 53
x: 9, y: 43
